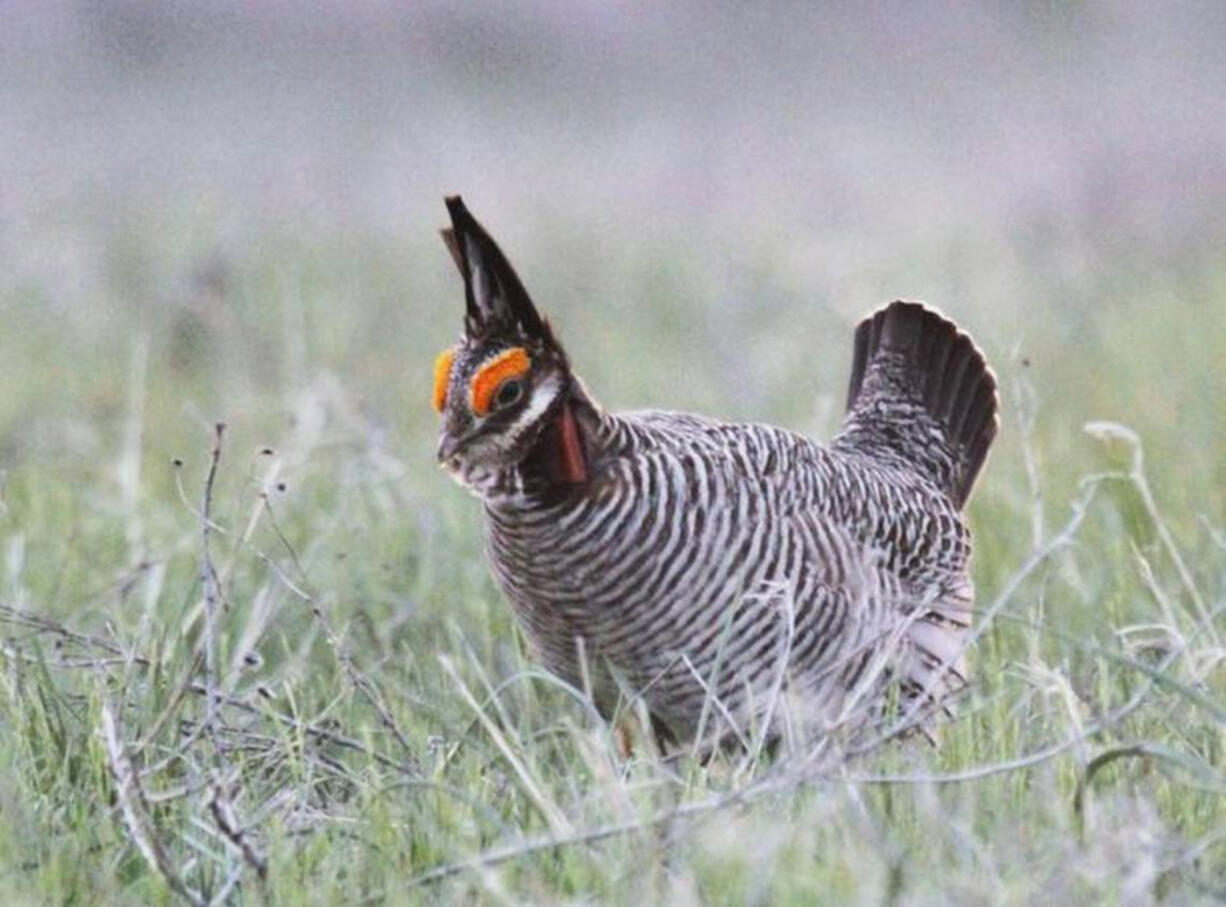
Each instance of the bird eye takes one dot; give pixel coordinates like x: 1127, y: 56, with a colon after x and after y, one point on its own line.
x: 509, y: 393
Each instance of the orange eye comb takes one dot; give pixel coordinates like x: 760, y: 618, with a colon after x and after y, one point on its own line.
x: 442, y: 375
x: 512, y: 363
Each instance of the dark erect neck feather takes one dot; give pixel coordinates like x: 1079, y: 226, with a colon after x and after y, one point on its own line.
x: 558, y: 459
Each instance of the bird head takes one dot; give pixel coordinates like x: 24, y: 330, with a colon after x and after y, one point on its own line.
x: 503, y: 385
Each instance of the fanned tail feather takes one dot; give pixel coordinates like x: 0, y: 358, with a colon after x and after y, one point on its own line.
x: 921, y: 394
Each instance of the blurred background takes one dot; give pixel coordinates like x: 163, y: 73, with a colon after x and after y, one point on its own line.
x: 227, y: 211
x: 718, y: 121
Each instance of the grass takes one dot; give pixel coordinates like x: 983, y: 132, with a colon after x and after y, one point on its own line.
x: 378, y: 731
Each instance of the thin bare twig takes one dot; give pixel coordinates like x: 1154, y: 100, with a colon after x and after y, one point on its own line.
x: 136, y: 811
x: 356, y: 676
x: 223, y: 816
x: 1026, y: 408
x: 312, y: 731
x: 212, y: 589
x: 40, y: 624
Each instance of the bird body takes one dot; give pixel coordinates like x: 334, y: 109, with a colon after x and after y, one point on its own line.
x: 742, y: 579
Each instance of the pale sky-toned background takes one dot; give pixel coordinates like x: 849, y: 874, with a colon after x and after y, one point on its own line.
x: 857, y: 122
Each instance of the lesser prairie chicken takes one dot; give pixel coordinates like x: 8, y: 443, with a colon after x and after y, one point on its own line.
x: 740, y: 578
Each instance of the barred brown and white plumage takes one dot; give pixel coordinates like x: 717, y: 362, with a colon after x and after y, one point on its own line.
x: 718, y: 570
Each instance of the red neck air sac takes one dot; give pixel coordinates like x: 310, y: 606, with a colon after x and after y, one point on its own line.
x: 558, y: 456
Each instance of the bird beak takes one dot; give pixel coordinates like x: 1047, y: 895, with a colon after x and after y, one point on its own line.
x: 448, y: 447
